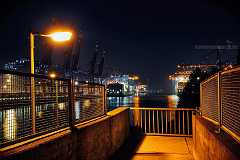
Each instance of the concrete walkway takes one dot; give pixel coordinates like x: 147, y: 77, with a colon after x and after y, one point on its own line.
x: 164, y: 148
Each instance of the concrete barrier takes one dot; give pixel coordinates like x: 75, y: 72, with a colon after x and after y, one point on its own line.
x: 97, y: 139
x: 210, y: 145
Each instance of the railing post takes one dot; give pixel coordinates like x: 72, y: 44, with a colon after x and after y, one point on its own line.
x: 33, y: 103
x: 219, y: 102
x: 104, y: 99
x: 70, y: 103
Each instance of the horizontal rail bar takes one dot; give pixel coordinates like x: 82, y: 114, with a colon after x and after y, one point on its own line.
x: 164, y: 109
x: 164, y: 134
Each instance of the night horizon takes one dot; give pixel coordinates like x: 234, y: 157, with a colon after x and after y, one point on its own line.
x: 148, y: 39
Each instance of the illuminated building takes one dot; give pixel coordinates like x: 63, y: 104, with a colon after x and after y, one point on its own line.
x: 127, y: 82
x: 141, y: 89
x: 22, y: 65
x: 18, y: 65
x: 115, y: 90
x: 181, y: 76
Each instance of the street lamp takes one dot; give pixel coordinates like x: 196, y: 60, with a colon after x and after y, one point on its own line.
x: 56, y: 36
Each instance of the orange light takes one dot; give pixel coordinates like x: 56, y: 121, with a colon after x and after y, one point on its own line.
x: 61, y: 36
x: 52, y: 75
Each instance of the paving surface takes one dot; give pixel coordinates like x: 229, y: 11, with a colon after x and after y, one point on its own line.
x: 164, y: 148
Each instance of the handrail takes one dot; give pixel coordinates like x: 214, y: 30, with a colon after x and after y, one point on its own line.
x: 171, y: 109
x: 163, y: 121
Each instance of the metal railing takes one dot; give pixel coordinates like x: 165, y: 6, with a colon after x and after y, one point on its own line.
x: 32, y: 105
x: 209, y: 100
x: 163, y: 121
x: 227, y: 96
x: 89, y: 101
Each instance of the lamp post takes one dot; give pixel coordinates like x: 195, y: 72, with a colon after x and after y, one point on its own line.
x: 56, y: 36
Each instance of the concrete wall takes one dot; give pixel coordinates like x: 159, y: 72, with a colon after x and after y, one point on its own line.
x: 209, y: 145
x: 95, y: 140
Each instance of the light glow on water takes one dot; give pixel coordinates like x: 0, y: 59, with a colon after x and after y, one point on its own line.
x: 172, y: 101
x: 10, y: 125
x: 77, y: 109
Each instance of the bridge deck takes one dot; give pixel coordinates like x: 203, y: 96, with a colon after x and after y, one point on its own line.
x: 160, y: 148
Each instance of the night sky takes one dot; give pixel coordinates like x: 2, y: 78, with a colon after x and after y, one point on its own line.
x: 144, y: 37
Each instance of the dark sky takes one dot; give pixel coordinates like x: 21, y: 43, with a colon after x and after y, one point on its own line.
x: 144, y: 37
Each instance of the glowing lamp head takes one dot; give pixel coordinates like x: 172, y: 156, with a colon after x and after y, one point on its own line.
x: 61, y: 36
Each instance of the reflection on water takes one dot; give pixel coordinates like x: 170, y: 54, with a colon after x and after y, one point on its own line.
x: 114, y: 102
x: 146, y: 101
x: 77, y: 109
x: 9, y: 124
x: 172, y: 101
x: 86, y: 103
x: 61, y: 106
x: 17, y: 122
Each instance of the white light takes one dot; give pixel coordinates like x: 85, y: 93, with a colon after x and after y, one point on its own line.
x: 61, y: 36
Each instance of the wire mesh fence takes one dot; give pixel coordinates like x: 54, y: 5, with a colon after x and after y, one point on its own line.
x: 230, y: 102
x: 209, y: 99
x: 220, y: 101
x: 89, y: 101
x: 32, y: 105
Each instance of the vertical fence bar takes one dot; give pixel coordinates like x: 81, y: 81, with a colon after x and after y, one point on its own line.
x: 145, y: 121
x: 149, y: 122
x: 140, y: 119
x: 56, y: 94
x: 219, y: 102
x: 70, y: 103
x: 153, y: 122
x: 170, y: 121
x: 33, y: 103
x: 162, y: 120
x: 188, y: 122
x: 166, y: 119
x: 183, y: 123
x: 157, y: 122
x: 175, y: 124
x: 105, y: 99
x: 179, y: 125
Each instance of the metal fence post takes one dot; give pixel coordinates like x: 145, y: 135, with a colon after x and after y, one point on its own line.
x: 33, y: 103
x: 105, y: 99
x: 70, y: 103
x: 219, y: 102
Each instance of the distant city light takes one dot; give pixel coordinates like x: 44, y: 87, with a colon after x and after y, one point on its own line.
x: 76, y: 83
x: 52, y: 75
